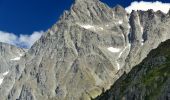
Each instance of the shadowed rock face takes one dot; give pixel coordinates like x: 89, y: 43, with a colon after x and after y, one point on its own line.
x: 86, y: 52
x: 147, y: 81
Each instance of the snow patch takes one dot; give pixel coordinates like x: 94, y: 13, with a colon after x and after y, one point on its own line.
x: 113, y: 15
x: 120, y: 22
x: 142, y: 42
x: 15, y: 59
x: 120, y: 54
x: 123, y: 36
x: 141, y: 29
x: 91, y: 27
x: 101, y: 28
x: 142, y: 38
x: 20, y: 54
x: 114, y: 50
x: 2, y: 76
x: 87, y: 26
x: 129, y: 26
x: 1, y: 80
x: 6, y: 73
x: 118, y: 66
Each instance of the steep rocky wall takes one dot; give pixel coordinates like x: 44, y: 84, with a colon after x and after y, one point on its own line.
x: 150, y: 80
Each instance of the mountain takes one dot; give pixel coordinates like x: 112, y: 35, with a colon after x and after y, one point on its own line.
x: 150, y: 80
x: 85, y: 52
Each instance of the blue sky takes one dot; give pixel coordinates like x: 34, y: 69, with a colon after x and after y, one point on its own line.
x: 24, y: 17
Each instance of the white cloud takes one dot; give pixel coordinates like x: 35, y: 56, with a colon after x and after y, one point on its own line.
x: 25, y: 41
x: 28, y: 40
x: 142, y: 5
x: 7, y: 37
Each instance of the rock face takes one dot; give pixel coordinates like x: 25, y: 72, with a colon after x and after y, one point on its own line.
x: 9, y: 57
x: 86, y: 52
x: 150, y: 80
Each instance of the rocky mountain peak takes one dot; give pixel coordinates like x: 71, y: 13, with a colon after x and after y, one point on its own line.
x: 134, y: 13
x: 85, y: 1
x: 119, y: 8
x: 90, y: 11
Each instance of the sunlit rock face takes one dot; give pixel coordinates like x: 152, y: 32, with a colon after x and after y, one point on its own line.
x: 85, y: 52
x: 8, y: 56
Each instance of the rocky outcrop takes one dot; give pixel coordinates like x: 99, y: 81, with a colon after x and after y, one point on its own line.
x: 86, y: 52
x: 147, y: 81
x: 148, y: 29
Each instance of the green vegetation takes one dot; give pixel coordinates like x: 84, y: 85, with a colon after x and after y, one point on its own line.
x: 155, y: 76
x: 155, y: 79
x: 146, y: 81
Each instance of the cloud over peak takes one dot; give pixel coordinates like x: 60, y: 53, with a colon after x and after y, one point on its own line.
x: 25, y: 41
x: 143, y: 5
